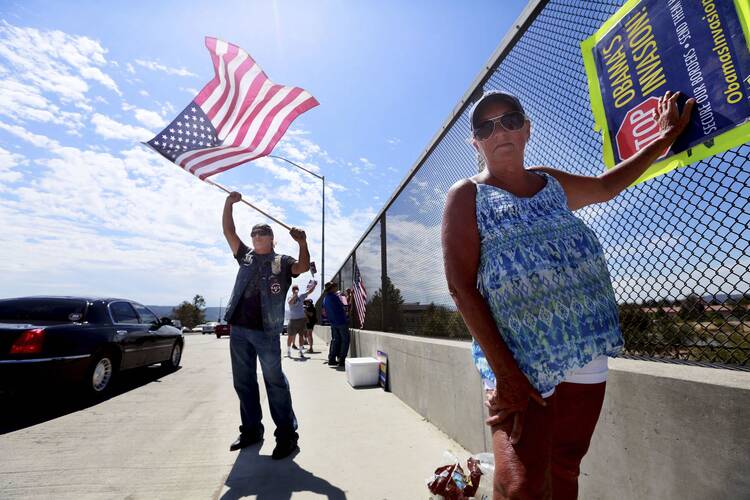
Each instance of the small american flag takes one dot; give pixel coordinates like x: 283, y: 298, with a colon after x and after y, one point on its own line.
x: 360, y: 295
x: 237, y: 117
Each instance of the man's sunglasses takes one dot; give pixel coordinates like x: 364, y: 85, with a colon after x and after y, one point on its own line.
x: 512, y: 122
x: 260, y: 232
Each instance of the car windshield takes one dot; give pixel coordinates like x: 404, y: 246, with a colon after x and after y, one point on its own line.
x: 40, y: 310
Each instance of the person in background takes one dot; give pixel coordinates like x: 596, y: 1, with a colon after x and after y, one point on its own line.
x: 349, y: 294
x: 532, y: 285
x: 312, y: 319
x: 336, y: 313
x: 297, y: 318
x: 323, y: 319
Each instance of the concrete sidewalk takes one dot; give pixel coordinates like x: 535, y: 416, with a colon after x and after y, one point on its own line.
x: 354, y: 443
x: 166, y: 435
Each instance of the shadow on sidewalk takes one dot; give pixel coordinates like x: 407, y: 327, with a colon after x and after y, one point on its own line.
x: 254, y: 474
x: 34, y: 405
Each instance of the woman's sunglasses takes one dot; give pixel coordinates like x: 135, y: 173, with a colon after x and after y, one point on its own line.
x: 509, y: 121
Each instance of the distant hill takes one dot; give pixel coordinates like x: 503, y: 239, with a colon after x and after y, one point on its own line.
x: 723, y: 297
x: 212, y: 313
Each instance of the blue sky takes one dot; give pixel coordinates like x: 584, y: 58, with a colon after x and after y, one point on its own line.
x: 87, y: 210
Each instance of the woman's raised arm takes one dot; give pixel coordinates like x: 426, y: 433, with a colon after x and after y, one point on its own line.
x: 583, y: 190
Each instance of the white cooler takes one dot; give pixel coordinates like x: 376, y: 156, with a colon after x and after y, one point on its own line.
x: 361, y: 372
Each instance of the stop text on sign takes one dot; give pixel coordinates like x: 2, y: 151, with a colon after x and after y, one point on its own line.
x: 638, y: 129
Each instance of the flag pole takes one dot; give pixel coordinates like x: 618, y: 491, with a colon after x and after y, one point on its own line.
x: 248, y: 204
x: 323, y: 221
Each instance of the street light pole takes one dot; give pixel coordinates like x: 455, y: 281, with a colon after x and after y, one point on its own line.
x: 323, y: 221
x: 323, y: 237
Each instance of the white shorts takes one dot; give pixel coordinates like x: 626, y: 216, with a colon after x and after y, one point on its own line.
x: 595, y: 372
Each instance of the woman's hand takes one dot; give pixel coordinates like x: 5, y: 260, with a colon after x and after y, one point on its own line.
x: 508, y: 402
x: 671, y: 122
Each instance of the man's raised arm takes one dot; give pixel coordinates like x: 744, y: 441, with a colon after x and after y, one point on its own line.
x: 303, y: 262
x: 227, y: 222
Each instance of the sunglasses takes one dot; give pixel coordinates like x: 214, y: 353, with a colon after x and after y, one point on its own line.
x: 511, y: 122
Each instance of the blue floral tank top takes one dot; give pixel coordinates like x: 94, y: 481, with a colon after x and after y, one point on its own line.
x: 543, y: 274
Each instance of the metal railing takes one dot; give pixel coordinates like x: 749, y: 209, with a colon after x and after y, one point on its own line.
x: 676, y: 246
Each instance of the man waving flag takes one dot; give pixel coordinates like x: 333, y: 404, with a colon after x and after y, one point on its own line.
x: 237, y: 117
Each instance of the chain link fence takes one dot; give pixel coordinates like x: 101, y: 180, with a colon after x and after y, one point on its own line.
x: 676, y: 246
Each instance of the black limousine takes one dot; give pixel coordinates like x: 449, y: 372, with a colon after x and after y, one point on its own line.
x: 85, y: 341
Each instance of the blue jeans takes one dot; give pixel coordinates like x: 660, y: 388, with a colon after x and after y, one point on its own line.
x: 245, y: 347
x: 339, y: 344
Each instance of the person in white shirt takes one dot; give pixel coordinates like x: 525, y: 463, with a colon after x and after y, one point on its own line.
x: 297, y: 318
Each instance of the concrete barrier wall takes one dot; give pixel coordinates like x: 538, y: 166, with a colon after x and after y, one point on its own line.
x: 671, y: 431
x: 666, y: 431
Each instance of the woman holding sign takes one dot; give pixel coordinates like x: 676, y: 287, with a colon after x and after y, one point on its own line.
x: 532, y: 285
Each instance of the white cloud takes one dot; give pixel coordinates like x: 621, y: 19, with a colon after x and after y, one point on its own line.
x: 167, y: 108
x: 130, y: 68
x: 54, y: 61
x: 364, y: 166
x: 22, y: 102
x: 38, y: 140
x: 143, y: 93
x: 298, y: 148
x: 156, y: 66
x: 90, y: 214
x: 190, y: 90
x: 8, y: 163
x: 393, y: 141
x: 84, y: 106
x: 151, y: 119
x: 152, y: 229
x: 112, y: 129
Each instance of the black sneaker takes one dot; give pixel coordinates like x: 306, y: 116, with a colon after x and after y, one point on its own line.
x: 284, y: 448
x: 244, y: 440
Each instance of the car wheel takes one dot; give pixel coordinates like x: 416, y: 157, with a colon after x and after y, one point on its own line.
x: 218, y: 336
x: 174, y: 359
x: 100, y: 375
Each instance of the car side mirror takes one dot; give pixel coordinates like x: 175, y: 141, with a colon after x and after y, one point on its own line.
x: 165, y: 322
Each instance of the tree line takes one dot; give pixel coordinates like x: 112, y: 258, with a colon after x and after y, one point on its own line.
x: 191, y: 314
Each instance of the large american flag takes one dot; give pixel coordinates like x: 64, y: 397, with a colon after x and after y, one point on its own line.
x: 237, y: 117
x: 360, y: 295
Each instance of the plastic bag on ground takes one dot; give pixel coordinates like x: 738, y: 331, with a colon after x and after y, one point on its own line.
x: 452, y: 482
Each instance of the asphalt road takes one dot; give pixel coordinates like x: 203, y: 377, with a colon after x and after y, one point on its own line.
x: 166, y: 435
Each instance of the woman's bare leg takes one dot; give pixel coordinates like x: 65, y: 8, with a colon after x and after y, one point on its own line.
x: 523, y: 470
x: 577, y: 409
